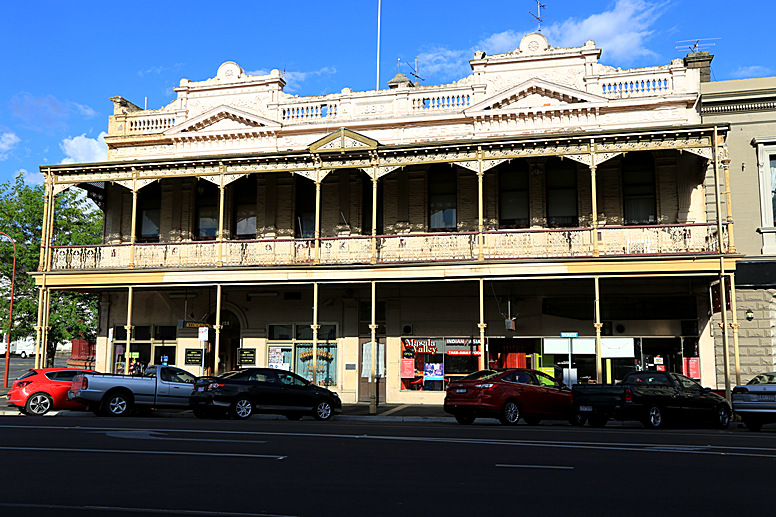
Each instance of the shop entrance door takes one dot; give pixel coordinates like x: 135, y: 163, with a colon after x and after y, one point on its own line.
x: 365, y: 369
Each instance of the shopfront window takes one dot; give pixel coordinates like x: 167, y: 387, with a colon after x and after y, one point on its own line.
x: 429, y: 364
x: 291, y: 348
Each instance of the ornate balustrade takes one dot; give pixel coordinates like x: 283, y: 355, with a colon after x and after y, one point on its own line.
x: 636, y: 84
x: 151, y: 121
x: 538, y: 244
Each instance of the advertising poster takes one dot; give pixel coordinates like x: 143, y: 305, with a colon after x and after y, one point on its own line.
x: 433, y: 372
x: 407, y: 368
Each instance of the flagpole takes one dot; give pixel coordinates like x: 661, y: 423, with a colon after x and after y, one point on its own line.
x: 379, y: 8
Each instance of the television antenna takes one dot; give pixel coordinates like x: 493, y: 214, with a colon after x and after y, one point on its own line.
x: 415, y: 70
x: 697, y: 45
x: 538, y: 15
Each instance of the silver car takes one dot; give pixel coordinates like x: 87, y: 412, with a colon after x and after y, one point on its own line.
x: 755, y: 402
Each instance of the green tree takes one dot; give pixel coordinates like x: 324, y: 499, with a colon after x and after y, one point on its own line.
x: 76, y: 222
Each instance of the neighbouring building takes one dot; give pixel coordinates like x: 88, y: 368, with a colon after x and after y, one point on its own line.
x: 749, y: 107
x: 545, y: 211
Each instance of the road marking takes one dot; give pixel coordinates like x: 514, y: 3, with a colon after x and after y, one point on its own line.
x: 124, y: 451
x: 394, y: 410
x: 553, y: 467
x: 158, y: 435
x: 137, y: 510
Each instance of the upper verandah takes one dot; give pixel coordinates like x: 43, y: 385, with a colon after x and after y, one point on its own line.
x: 535, y: 89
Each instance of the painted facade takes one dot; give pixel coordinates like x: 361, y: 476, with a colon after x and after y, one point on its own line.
x: 542, y: 205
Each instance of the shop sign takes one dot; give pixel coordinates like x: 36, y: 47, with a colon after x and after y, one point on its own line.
x: 185, y: 324
x: 193, y: 356
x: 462, y: 341
x: 246, y: 356
x: 421, y: 346
x: 307, y: 355
x: 408, y: 354
x: 463, y: 352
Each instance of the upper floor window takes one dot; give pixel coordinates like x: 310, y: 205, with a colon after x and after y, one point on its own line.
x: 305, y: 208
x: 149, y: 204
x: 561, y: 184
x: 245, y: 208
x: 638, y: 188
x: 207, y: 210
x: 513, y: 196
x: 442, y: 199
x: 766, y: 163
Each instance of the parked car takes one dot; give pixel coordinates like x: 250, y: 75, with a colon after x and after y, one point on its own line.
x: 509, y: 396
x: 755, y: 402
x: 41, y: 390
x: 654, y: 398
x: 241, y: 393
x: 161, y: 387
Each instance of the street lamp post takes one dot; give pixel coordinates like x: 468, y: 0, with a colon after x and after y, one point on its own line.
x: 10, y: 315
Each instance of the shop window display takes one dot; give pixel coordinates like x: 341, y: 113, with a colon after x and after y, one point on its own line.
x: 293, y: 351
x: 429, y: 364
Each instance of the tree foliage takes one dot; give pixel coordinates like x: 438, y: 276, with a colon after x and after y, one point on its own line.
x: 76, y: 222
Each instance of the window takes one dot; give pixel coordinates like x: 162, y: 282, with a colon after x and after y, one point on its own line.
x: 305, y: 208
x: 442, y: 199
x: 290, y: 347
x: 772, y: 166
x: 766, y: 162
x: 638, y: 188
x: 149, y: 202
x: 245, y: 208
x: 207, y: 211
x: 513, y: 196
x: 561, y: 185
x: 429, y: 364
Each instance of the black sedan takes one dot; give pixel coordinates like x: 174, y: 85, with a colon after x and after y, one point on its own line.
x: 241, y: 393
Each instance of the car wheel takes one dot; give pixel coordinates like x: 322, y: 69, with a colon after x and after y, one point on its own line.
x: 598, y: 420
x: 510, y: 413
x: 753, y: 424
x: 116, y: 404
x: 242, y: 408
x: 722, y: 420
x: 294, y: 416
x: 531, y: 419
x: 38, y: 404
x: 465, y: 418
x: 23, y: 355
x: 323, y: 410
x: 654, y: 418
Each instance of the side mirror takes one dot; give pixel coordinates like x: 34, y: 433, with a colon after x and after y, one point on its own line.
x: 706, y: 390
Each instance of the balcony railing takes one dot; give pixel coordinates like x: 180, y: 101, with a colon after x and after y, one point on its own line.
x: 536, y: 244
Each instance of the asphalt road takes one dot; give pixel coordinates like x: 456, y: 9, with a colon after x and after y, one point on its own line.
x: 144, y: 466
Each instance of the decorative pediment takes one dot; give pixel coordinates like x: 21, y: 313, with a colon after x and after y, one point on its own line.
x: 343, y: 140
x: 534, y: 93
x: 224, y: 119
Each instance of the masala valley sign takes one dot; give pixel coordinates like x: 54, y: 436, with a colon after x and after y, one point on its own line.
x: 451, y: 346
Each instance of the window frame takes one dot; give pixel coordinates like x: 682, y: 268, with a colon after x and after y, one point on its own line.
x: 765, y: 149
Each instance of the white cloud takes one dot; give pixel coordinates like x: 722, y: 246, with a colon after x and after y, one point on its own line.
x: 31, y: 178
x: 622, y: 32
x: 81, y: 149
x: 294, y: 79
x: 745, y: 72
x: 8, y: 141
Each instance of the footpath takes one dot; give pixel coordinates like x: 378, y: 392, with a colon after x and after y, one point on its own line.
x: 353, y: 412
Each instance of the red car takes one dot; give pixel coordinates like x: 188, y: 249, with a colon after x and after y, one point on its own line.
x: 509, y: 396
x: 40, y: 390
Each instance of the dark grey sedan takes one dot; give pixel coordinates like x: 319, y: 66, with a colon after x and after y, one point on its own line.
x: 755, y: 402
x: 241, y: 393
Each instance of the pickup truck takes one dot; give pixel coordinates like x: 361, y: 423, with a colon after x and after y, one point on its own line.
x: 652, y: 397
x: 106, y: 394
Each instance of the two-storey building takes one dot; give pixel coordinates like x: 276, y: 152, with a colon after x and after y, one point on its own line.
x: 546, y: 211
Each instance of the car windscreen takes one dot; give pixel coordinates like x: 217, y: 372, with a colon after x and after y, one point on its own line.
x: 482, y: 374
x: 764, y: 378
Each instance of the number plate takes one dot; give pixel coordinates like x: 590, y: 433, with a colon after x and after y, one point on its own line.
x: 461, y: 390
x: 201, y: 388
x: 767, y: 397
x: 586, y: 408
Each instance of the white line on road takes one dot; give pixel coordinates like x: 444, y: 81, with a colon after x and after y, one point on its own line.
x: 553, y: 467
x: 124, y: 451
x: 136, y: 510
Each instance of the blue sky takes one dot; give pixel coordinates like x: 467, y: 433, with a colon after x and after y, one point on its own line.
x: 63, y: 60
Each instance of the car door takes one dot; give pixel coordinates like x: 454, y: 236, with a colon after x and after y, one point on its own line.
x: 696, y: 404
x: 296, y: 391
x: 523, y: 387
x: 264, y: 389
x: 556, y: 398
x: 174, y: 387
